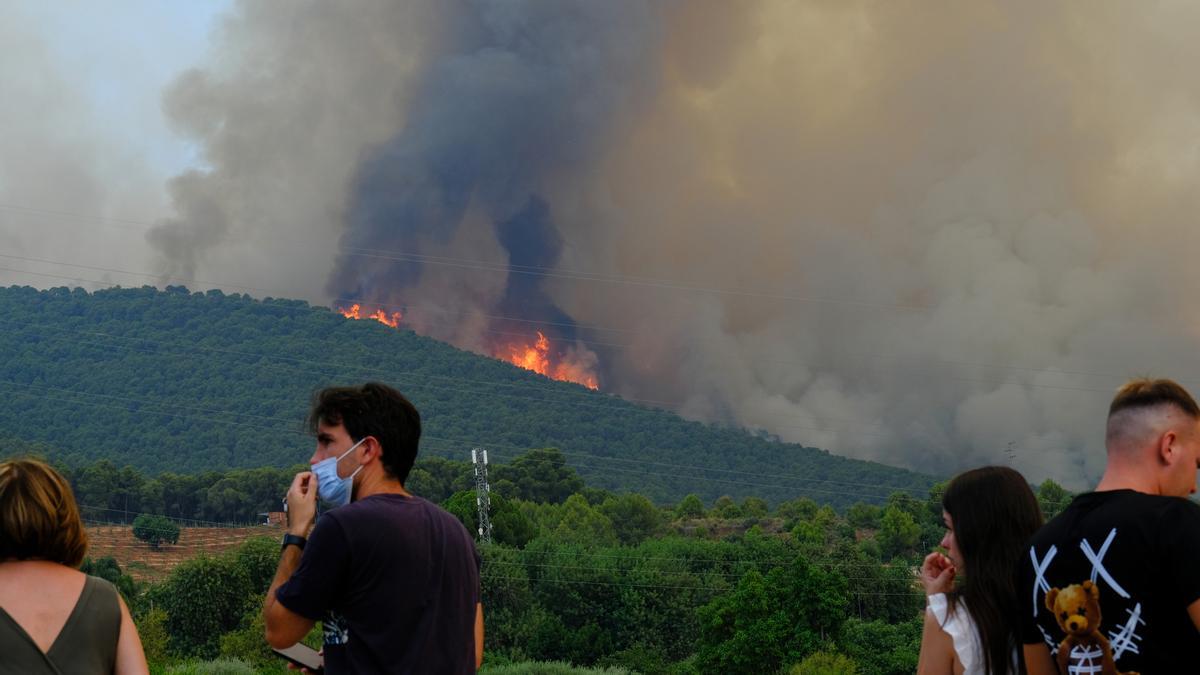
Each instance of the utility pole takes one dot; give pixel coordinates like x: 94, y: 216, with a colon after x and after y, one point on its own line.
x: 482, y: 494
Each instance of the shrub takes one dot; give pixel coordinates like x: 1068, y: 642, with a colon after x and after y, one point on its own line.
x: 155, y: 529
x: 549, y: 668
x: 218, y: 667
x: 825, y: 663
x: 152, y: 629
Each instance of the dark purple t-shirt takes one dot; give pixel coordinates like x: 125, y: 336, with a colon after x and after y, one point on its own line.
x: 395, y: 580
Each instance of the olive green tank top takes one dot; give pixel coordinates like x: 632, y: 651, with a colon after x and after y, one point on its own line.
x: 87, y: 642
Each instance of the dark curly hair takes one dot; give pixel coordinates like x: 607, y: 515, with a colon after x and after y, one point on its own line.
x: 373, y: 409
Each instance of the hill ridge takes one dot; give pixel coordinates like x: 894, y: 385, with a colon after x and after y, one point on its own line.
x: 184, y: 381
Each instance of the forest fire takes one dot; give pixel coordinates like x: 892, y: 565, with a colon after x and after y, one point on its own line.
x: 355, y: 312
x: 536, y: 357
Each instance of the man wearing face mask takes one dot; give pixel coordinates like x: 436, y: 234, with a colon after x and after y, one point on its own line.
x: 393, y: 578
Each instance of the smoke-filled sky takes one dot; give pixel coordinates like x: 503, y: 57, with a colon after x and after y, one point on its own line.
x: 935, y: 235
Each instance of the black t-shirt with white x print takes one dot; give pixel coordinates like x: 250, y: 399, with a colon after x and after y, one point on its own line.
x: 1140, y: 554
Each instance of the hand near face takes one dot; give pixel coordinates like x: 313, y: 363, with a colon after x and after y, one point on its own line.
x: 302, y: 503
x: 937, y: 574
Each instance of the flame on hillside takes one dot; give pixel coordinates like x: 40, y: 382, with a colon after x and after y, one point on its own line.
x: 572, y: 365
x: 355, y: 311
x: 536, y: 356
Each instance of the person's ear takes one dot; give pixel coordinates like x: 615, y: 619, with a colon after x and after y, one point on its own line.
x: 371, y: 449
x: 1166, y: 447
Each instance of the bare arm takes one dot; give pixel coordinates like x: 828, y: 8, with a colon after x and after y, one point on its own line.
x: 285, y: 627
x: 1038, y: 660
x: 1194, y: 612
x: 478, y: 635
x: 131, y: 660
x: 937, y: 649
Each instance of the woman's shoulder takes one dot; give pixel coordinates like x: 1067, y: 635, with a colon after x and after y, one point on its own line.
x: 100, y: 583
x: 35, y: 576
x: 951, y: 612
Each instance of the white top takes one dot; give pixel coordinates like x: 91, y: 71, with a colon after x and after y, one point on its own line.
x: 963, y: 634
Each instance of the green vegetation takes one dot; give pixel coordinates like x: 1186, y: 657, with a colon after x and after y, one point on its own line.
x: 188, y: 383
x: 155, y: 529
x: 599, y: 583
x: 550, y: 668
x: 626, y: 540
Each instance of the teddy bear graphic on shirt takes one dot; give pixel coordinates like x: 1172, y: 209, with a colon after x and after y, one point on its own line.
x: 1085, y: 650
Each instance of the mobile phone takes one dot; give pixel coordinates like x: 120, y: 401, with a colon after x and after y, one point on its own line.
x: 302, y: 655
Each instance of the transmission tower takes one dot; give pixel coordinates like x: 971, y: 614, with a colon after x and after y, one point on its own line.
x: 482, y: 494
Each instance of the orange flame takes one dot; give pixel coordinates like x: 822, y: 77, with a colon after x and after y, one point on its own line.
x: 355, y: 312
x: 536, y: 357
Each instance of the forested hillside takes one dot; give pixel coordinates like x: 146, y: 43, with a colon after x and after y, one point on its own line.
x: 182, y: 382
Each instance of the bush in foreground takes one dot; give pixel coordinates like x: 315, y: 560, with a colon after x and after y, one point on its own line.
x: 549, y: 668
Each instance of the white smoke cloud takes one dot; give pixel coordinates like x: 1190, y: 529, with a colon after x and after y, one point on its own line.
x: 64, y: 187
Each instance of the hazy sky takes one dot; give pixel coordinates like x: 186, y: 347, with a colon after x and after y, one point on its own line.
x: 85, y: 148
x: 932, y: 235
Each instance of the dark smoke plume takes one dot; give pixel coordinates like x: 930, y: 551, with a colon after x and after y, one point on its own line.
x: 517, y: 99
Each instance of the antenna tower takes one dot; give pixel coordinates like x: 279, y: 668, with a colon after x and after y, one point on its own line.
x: 482, y: 494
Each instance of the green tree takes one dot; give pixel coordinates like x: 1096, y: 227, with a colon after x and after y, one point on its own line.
x: 690, y: 507
x: 155, y: 530
x: 1052, y: 498
x: 509, y: 525
x: 864, y: 516
x: 508, y: 600
x: 880, y: 648
x: 580, y: 523
x: 754, y: 507
x: 152, y: 631
x: 825, y: 663
x: 108, y: 569
x: 795, y: 509
x: 538, y: 476
x: 725, y: 507
x: 204, y: 598
x: 898, y: 532
x: 634, y: 517
x: 769, y: 621
x: 464, y: 507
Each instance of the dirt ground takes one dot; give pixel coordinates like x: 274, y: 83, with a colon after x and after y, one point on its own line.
x: 143, y: 563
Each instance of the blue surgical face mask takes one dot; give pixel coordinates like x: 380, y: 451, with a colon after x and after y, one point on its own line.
x: 330, y: 486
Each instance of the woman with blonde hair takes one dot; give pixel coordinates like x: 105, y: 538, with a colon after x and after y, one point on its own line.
x: 54, y: 618
x: 971, y: 621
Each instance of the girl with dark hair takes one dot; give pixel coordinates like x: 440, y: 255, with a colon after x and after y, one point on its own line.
x: 970, y: 627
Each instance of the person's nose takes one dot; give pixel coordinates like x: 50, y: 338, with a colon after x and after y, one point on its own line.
x: 944, y: 543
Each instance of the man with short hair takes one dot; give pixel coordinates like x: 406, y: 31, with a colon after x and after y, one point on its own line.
x: 393, y: 578
x: 1112, y: 584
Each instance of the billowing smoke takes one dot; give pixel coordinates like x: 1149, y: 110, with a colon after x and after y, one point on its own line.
x: 935, y: 236
x: 65, y: 185
x: 517, y: 99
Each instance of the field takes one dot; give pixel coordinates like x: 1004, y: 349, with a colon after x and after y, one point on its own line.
x: 146, y: 564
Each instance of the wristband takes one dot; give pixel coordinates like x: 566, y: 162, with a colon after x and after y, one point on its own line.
x: 290, y: 539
